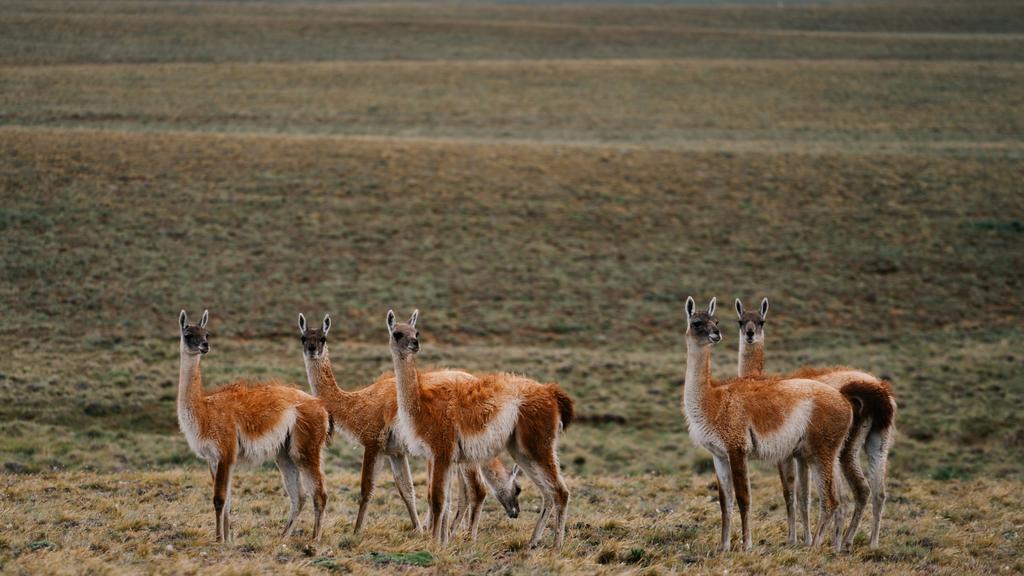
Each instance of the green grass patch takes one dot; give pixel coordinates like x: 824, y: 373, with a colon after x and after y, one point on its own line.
x: 421, y: 558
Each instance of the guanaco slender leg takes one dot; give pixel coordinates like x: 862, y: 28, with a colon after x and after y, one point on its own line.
x: 476, y: 494
x: 538, y: 478
x: 439, y: 484
x: 562, y: 505
x: 542, y: 469
x: 830, y: 504
x: 804, y: 497
x: 220, y: 493
x: 849, y: 460
x: 430, y: 482
x: 403, y: 481
x: 293, y: 486
x: 787, y: 474
x: 741, y: 484
x: 462, y: 505
x: 229, y: 534
x: 314, y: 478
x: 368, y: 472
x: 877, y: 448
x: 725, y: 498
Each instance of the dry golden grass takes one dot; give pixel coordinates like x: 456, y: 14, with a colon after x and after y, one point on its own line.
x: 161, y: 522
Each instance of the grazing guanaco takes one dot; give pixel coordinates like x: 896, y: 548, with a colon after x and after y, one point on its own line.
x: 367, y: 417
x: 473, y: 421
x: 251, y: 422
x: 474, y: 481
x: 472, y: 491
x: 874, y: 423
x: 768, y: 418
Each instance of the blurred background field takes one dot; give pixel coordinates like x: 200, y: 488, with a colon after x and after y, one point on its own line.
x: 547, y: 183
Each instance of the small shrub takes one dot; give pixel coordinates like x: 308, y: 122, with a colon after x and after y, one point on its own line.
x: 635, y: 556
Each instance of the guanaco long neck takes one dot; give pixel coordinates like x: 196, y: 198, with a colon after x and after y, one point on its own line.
x: 698, y: 377
x: 320, y: 376
x: 190, y: 382
x: 407, y: 382
x: 751, y: 358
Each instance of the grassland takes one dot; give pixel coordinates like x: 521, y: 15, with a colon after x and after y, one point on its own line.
x: 547, y: 184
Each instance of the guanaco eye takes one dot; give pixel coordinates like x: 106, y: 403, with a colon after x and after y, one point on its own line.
x: 396, y: 335
x: 417, y: 334
x: 323, y: 339
x: 303, y: 338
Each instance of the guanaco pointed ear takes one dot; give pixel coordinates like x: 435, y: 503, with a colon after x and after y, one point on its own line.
x: 302, y: 323
x: 691, y: 307
x: 739, y: 309
x: 327, y: 323
x: 206, y: 318
x: 764, y: 308
x: 391, y: 320
x: 711, y: 306
x: 514, y: 473
x: 182, y: 320
x: 415, y: 316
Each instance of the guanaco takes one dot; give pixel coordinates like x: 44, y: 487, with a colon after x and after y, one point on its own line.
x: 473, y: 421
x: 501, y: 482
x: 251, y: 422
x: 873, y: 428
x: 366, y: 417
x: 768, y: 418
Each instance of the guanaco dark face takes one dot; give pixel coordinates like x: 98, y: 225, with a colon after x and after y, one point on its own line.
x: 405, y: 338
x: 194, y: 337
x: 314, y: 340
x: 702, y: 326
x: 752, y: 322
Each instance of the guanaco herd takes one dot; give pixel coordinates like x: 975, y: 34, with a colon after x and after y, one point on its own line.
x: 815, y: 419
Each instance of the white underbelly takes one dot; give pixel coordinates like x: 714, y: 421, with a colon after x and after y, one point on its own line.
x: 492, y: 440
x: 258, y: 449
x: 784, y: 441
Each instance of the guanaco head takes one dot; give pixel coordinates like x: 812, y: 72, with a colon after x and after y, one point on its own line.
x: 405, y: 338
x: 507, y: 489
x: 194, y: 337
x: 314, y: 340
x: 702, y: 326
x: 752, y: 323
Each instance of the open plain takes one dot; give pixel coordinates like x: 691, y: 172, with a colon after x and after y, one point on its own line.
x: 547, y: 184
